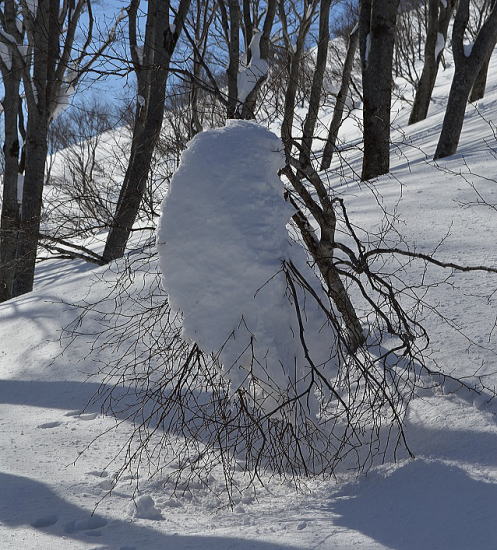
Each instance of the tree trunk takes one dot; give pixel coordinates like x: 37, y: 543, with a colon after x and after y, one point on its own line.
x: 478, y: 89
x: 36, y: 155
x: 152, y: 79
x: 377, y: 37
x: 47, y: 31
x: 438, y: 23
x: 10, y: 221
x: 466, y: 70
x: 455, y: 111
x: 234, y: 55
x: 341, y: 98
x: 294, y: 67
x: 10, y: 217
x: 248, y: 108
x: 317, y: 84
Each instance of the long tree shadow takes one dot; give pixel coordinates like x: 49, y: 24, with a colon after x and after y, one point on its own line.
x: 29, y: 503
x: 479, y: 448
x: 423, y: 505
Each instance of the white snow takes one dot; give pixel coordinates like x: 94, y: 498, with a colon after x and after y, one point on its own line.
x: 222, y: 241
x: 50, y: 482
x: 20, y: 188
x: 144, y: 508
x: 64, y: 97
x: 139, y: 54
x: 440, y: 45
x: 23, y: 49
x: 368, y: 46
x: 249, y: 75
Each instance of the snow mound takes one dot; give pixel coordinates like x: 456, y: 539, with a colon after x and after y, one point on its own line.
x: 222, y: 244
x: 144, y: 508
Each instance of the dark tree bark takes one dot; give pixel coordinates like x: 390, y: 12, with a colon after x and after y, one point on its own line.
x: 466, y: 71
x: 294, y: 53
x: 439, y: 16
x: 152, y: 73
x: 10, y: 218
x: 50, y: 33
x: 320, y: 206
x: 478, y: 90
x: 42, y: 92
x: 377, y: 37
x: 341, y: 99
x: 317, y: 83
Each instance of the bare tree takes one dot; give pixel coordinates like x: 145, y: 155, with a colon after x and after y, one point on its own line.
x: 317, y: 83
x: 151, y: 64
x: 341, y: 99
x: 468, y: 60
x: 52, y: 64
x: 295, y: 52
x: 11, y: 69
x: 376, y: 37
x: 439, y: 15
x: 478, y: 89
x: 242, y: 103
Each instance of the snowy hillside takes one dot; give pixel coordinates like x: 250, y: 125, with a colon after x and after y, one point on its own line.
x: 58, y: 452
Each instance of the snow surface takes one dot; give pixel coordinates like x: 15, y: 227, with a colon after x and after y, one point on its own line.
x: 251, y: 74
x: 222, y: 240
x: 50, y: 482
x: 64, y: 96
x: 440, y: 45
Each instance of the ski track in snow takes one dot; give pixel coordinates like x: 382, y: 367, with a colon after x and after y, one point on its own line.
x: 51, y: 481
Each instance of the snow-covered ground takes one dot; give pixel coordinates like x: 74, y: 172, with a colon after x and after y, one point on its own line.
x: 51, y: 479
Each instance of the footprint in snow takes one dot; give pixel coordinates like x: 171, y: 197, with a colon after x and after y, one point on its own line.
x: 88, y: 416
x: 74, y: 413
x: 45, y: 521
x: 87, y: 524
x: 49, y: 425
x: 98, y: 473
x: 81, y: 415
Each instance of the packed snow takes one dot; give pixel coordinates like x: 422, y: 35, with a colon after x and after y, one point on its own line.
x: 223, y: 242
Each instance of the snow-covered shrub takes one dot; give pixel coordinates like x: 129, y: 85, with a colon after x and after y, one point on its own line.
x: 224, y: 246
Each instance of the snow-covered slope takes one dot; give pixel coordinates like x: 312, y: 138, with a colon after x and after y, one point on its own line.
x: 51, y: 481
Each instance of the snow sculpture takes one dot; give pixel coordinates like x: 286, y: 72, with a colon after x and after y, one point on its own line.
x: 222, y: 243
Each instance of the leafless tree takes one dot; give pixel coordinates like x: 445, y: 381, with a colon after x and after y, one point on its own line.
x: 478, y: 89
x: 52, y: 64
x: 468, y: 63
x: 439, y: 16
x: 376, y: 38
x: 11, y: 69
x: 341, y: 98
x: 151, y: 62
